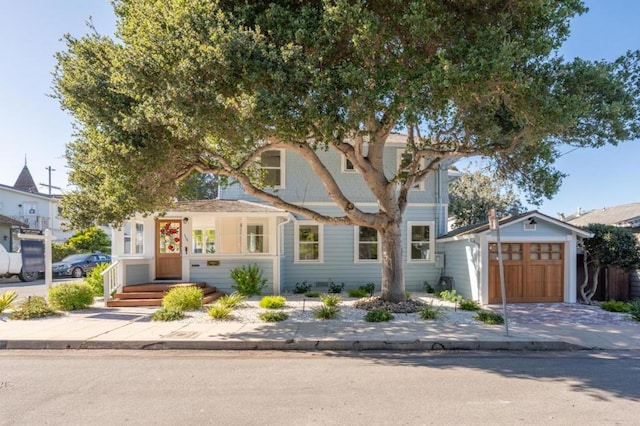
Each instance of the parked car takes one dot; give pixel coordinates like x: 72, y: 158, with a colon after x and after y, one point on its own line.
x: 77, y: 265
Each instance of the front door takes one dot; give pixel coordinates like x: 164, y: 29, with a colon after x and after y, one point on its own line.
x: 169, y: 249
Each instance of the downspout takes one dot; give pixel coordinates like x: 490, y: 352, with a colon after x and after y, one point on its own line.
x: 279, y: 250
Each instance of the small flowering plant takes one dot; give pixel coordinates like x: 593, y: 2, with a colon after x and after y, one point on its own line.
x: 170, y: 237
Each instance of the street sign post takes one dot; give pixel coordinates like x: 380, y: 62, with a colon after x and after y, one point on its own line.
x: 494, y: 225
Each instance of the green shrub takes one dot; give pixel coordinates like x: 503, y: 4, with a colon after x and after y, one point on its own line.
x: 428, y: 312
x: 248, y: 280
x: 469, y: 305
x: 232, y: 300
x: 615, y: 306
x: 326, y: 312
x: 489, y: 317
x: 378, y: 315
x: 183, y: 298
x: 7, y: 299
x: 32, y: 307
x: 407, y: 294
x: 427, y: 287
x: 273, y: 316
x: 272, y: 302
x: 219, y: 311
x: 369, y: 288
x: 335, y: 288
x: 164, y: 314
x: 357, y: 293
x: 70, y: 297
x: 634, y: 309
x: 61, y: 250
x: 312, y: 294
x: 302, y: 288
x: 450, y: 296
x: 330, y: 299
x: 95, y: 280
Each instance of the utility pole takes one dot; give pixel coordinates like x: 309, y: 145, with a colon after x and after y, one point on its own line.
x: 50, y: 169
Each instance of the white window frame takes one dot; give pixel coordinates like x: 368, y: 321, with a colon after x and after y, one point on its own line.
x: 344, y: 167
x: 356, y: 247
x: 266, y: 235
x: 417, y: 186
x: 133, y: 235
x: 282, y: 184
x: 296, y: 242
x: 432, y: 240
x: 204, y: 230
x: 137, y: 236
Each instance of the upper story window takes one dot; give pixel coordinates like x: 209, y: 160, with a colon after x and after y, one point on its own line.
x: 308, y: 242
x: 421, y: 241
x: 347, y: 166
x: 404, y: 159
x: 366, y: 244
x: 272, y: 162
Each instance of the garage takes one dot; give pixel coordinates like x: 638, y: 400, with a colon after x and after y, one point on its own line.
x: 534, y: 272
x: 539, y: 253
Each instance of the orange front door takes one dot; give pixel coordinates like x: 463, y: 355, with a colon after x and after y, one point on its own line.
x: 169, y: 249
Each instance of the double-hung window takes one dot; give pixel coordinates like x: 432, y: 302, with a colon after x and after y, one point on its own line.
x: 366, y: 244
x: 272, y: 164
x: 133, y: 237
x: 421, y: 241
x: 404, y: 160
x: 308, y: 242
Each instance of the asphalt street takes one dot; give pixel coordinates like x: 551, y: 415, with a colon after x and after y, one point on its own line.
x: 328, y: 388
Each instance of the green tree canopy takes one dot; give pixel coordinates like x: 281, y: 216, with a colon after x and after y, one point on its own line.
x: 208, y: 86
x: 609, y: 246
x: 198, y: 186
x: 475, y: 192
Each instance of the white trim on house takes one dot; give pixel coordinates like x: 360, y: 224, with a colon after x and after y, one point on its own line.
x: 343, y: 165
x: 296, y: 241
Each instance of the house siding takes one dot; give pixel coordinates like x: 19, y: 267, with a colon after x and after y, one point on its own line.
x: 462, y: 264
x: 220, y: 276
x: 303, y: 185
x: 339, y: 263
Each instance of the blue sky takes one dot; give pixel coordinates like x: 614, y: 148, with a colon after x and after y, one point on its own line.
x: 32, y: 123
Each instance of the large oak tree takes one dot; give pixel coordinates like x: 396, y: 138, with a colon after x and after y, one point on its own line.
x: 207, y: 86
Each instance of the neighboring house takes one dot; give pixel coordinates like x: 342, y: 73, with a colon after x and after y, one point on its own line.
x: 624, y: 216
x: 23, y: 203
x: 7, y: 226
x: 214, y: 236
x: 539, y: 258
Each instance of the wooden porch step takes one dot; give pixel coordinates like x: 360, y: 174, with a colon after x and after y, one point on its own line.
x: 161, y: 287
x: 154, y: 294
x: 151, y: 294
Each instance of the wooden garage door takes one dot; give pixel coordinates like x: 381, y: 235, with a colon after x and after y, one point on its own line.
x: 533, y: 272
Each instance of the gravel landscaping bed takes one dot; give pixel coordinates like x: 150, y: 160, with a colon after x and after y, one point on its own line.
x: 301, y: 309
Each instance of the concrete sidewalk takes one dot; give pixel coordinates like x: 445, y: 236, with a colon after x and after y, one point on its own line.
x: 132, y: 328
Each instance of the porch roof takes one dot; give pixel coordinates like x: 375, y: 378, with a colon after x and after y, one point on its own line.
x: 6, y: 220
x: 224, y: 206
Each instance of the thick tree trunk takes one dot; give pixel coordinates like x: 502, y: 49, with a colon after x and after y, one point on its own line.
x: 392, y: 265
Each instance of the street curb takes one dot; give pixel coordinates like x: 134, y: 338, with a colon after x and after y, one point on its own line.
x: 294, y: 345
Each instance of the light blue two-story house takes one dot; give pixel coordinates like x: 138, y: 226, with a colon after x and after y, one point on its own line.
x: 204, y: 240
